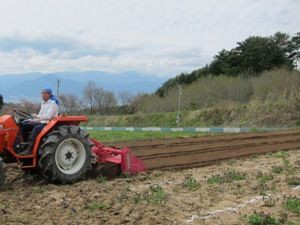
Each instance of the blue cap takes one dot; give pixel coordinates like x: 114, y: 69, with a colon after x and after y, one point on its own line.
x: 47, y: 90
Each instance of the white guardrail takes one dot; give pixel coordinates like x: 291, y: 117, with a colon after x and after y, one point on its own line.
x: 183, y: 129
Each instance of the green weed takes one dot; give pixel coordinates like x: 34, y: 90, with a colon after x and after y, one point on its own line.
x: 156, y: 195
x: 101, y: 179
x: 215, y: 179
x: 227, y: 177
x: 281, y: 154
x: 191, y: 183
x: 292, y: 204
x: 277, y: 169
x: 262, y: 219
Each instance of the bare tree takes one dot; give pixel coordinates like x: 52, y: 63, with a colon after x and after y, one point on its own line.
x: 28, y: 106
x: 125, y: 97
x: 98, y: 98
x: 70, y: 103
x: 138, y: 101
x: 104, y: 100
x: 109, y: 101
x: 89, y: 94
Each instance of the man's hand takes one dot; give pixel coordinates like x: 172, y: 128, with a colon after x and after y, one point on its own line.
x: 35, y: 117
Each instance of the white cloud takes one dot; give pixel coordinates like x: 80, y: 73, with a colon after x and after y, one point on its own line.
x: 151, y: 36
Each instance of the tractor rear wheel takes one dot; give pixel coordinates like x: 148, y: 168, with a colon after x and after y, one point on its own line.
x: 65, y: 155
x: 2, y: 172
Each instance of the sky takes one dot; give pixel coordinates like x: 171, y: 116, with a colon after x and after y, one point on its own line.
x: 159, y: 37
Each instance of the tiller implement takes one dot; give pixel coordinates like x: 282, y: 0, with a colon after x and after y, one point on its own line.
x: 62, y: 152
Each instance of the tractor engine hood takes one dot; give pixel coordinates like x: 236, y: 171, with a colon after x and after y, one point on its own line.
x: 8, y: 122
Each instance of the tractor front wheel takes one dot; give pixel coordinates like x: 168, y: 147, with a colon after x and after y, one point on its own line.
x: 2, y: 172
x: 65, y: 155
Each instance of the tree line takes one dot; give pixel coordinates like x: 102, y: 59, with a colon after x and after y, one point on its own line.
x: 97, y: 100
x: 249, y: 58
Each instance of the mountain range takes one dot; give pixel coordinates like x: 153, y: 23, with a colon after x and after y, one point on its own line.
x: 15, y: 87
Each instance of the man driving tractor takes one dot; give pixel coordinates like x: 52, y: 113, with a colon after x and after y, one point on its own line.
x: 59, y: 149
x: 31, y: 128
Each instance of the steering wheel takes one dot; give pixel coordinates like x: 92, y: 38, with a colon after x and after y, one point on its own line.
x: 22, y: 115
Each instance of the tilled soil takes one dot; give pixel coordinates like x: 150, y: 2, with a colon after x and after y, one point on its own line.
x: 200, y: 151
x: 158, y: 197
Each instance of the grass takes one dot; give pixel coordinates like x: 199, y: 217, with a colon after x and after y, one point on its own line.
x: 115, y: 136
x: 227, y: 177
x: 292, y: 204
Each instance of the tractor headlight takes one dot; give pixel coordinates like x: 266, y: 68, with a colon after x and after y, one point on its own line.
x: 1, y: 126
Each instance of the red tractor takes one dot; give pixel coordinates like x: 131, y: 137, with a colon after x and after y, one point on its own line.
x: 63, y: 152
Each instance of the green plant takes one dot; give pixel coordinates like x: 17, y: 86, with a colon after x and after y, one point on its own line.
x: 97, y: 206
x: 156, y: 195
x: 281, y: 154
x: 191, y: 183
x: 277, y: 169
x: 264, y: 176
x: 101, y: 179
x: 292, y: 204
x: 262, y: 219
x: 227, y: 177
x: 214, y: 179
x: 234, y: 176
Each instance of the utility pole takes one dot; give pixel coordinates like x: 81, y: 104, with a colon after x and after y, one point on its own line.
x: 179, y: 104
x: 57, y: 87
